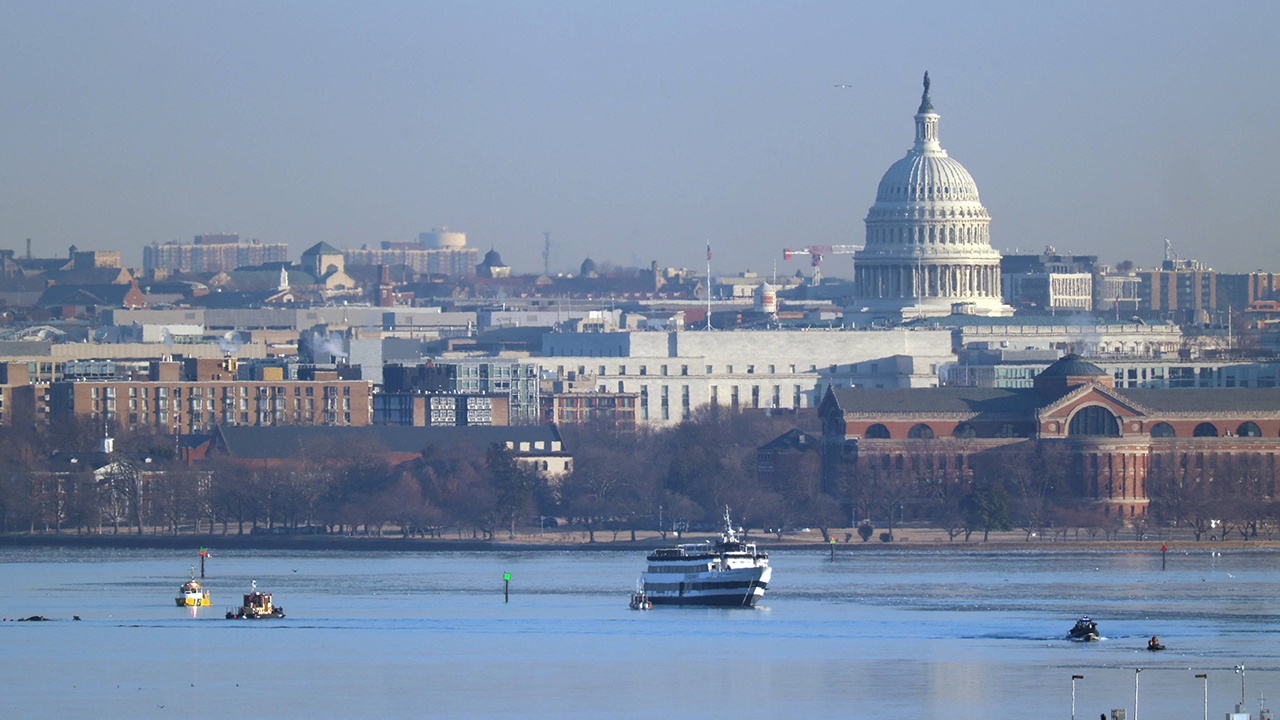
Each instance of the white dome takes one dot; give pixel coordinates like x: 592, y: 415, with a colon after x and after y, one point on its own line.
x: 927, y: 248
x: 926, y: 177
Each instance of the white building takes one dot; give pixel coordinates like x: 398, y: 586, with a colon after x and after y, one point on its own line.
x: 928, y: 250
x: 677, y: 372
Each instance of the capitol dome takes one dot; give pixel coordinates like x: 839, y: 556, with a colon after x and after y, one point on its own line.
x: 928, y: 249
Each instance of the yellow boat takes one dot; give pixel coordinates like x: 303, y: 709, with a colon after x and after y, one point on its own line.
x: 192, y: 594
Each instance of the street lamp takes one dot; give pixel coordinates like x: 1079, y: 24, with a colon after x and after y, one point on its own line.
x: 1074, y: 678
x: 1240, y: 672
x: 1136, y: 673
x: 1205, y: 678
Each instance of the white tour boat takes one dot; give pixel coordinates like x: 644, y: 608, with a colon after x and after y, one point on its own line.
x: 728, y: 572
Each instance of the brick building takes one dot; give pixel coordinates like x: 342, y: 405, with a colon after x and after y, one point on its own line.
x: 198, y: 394
x: 1111, y: 439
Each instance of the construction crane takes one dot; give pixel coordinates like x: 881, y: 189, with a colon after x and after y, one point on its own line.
x: 816, y: 253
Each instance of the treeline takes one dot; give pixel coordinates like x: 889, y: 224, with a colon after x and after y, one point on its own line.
x: 677, y: 478
x: 661, y: 480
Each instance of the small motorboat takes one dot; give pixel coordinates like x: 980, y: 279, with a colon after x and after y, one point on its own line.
x: 192, y: 594
x: 1154, y: 644
x: 1085, y: 630
x: 640, y: 599
x: 257, y: 606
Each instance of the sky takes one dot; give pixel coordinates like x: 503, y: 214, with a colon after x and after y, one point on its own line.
x: 635, y: 131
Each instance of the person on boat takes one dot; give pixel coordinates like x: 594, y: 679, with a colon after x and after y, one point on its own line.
x: 1154, y: 643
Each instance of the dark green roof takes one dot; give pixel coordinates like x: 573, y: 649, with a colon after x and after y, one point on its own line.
x: 1072, y: 366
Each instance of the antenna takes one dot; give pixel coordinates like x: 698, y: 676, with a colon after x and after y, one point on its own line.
x: 546, y: 254
x: 708, y: 284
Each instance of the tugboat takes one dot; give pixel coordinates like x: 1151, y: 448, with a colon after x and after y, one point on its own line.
x: 639, y: 599
x: 1085, y: 630
x: 257, y: 606
x: 192, y: 594
x: 728, y: 572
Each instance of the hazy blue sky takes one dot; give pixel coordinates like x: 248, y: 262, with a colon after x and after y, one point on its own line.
x: 635, y: 131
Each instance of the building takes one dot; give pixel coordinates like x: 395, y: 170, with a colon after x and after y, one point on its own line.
x: 1110, y: 440
x: 515, y: 380
x: 1181, y: 295
x: 928, y: 248
x: 420, y: 409
x: 577, y: 399
x: 492, y: 266
x: 675, y: 372
x: 438, y: 252
x: 211, y: 254
x: 199, y: 394
x: 17, y: 394
x: 1049, y: 282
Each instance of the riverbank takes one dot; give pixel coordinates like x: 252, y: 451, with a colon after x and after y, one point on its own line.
x: 576, y: 540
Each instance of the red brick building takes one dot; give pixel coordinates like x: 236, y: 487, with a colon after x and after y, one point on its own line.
x: 196, y: 396
x: 1111, y: 440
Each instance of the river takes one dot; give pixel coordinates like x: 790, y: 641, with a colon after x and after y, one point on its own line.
x: 948, y: 634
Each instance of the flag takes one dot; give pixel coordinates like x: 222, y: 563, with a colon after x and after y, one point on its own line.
x: 708, y: 251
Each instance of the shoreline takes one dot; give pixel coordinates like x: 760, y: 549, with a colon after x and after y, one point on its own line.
x: 567, y: 541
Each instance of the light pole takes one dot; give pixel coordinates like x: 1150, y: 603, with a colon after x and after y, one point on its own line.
x: 1074, y: 678
x: 1136, y: 673
x: 1240, y: 672
x: 1205, y: 678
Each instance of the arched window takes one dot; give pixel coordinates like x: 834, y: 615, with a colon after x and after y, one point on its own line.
x: 1206, y: 430
x: 1249, y: 429
x: 920, y: 432
x: 965, y: 430
x: 1094, y: 420
x: 877, y: 432
x: 1162, y: 430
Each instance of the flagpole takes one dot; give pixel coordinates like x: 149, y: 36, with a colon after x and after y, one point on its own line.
x: 708, y: 284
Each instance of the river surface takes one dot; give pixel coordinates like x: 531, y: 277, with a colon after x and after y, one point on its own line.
x: 948, y: 634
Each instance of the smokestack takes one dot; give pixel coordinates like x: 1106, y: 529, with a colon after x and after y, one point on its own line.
x: 28, y: 248
x: 386, y: 291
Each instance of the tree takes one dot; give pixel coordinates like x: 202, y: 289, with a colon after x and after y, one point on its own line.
x: 985, y: 508
x: 515, y: 486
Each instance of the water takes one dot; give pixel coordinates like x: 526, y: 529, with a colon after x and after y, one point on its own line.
x: 883, y: 634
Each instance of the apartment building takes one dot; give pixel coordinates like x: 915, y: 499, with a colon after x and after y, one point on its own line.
x: 198, y: 394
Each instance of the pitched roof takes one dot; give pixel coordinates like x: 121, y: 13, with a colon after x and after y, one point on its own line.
x: 84, y: 295
x: 279, y: 442
x: 938, y: 401
x: 793, y: 439
x: 1237, y: 401
x: 322, y: 248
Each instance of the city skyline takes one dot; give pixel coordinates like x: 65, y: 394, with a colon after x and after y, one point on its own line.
x: 632, y: 132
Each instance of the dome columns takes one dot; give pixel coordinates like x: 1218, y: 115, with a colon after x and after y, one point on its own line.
x: 952, y: 281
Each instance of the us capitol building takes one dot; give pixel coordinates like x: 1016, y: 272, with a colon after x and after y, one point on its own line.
x: 928, y: 249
